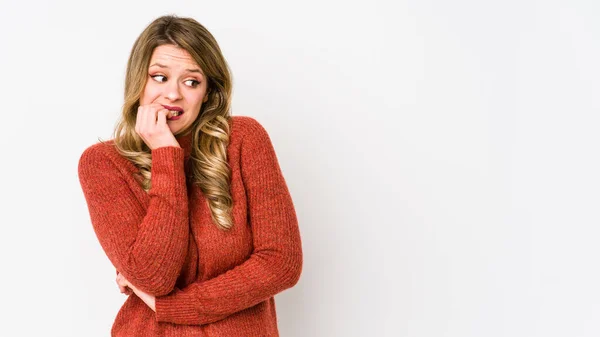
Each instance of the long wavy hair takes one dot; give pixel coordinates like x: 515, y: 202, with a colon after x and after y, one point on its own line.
x: 209, y: 168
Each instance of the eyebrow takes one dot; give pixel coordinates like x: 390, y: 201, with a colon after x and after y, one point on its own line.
x: 188, y: 70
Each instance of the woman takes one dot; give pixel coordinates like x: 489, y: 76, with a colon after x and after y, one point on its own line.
x: 188, y: 202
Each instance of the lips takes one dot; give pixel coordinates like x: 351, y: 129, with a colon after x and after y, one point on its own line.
x: 175, y: 111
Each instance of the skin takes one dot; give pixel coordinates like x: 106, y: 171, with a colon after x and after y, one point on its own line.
x: 127, y: 288
x: 174, y: 79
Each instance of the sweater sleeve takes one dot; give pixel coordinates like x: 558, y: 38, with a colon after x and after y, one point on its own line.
x: 276, y: 261
x: 147, y: 245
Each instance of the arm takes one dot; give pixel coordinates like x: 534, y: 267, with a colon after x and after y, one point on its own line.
x: 148, y: 246
x: 276, y: 261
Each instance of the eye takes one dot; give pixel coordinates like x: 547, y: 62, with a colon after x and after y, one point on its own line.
x: 157, y: 78
x: 192, y: 83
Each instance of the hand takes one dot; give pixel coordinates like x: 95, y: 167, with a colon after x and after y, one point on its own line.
x: 151, y: 125
x: 150, y: 300
x: 123, y: 285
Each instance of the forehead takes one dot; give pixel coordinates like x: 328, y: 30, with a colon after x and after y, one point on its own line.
x: 172, y: 56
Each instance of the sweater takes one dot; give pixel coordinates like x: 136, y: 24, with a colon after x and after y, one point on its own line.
x: 207, y: 282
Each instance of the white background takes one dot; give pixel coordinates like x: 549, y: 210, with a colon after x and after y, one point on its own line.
x: 442, y: 157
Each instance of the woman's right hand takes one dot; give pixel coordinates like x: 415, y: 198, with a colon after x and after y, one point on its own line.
x: 151, y: 125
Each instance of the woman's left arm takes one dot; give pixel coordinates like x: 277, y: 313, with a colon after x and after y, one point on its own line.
x: 276, y: 262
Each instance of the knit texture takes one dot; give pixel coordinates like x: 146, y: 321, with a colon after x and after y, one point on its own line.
x: 207, y: 282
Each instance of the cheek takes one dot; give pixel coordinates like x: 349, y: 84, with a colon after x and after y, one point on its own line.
x: 193, y: 99
x: 149, y: 94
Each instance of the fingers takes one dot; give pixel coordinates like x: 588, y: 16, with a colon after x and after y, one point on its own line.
x: 149, y: 118
x: 123, y: 285
x: 162, y: 118
x: 146, y: 116
x: 152, y: 127
x: 122, y: 281
x: 125, y: 290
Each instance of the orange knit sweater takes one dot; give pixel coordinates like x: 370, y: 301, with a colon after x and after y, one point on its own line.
x: 207, y: 282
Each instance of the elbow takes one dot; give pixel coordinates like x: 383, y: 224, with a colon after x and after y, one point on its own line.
x: 154, y: 277
x: 156, y: 288
x: 165, y: 288
x: 154, y: 282
x: 294, y: 276
x: 292, y: 270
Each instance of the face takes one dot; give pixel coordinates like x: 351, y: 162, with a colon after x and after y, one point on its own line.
x: 175, y: 80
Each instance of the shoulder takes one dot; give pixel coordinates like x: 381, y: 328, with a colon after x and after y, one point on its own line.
x: 98, y: 156
x: 254, y: 147
x: 245, y: 124
x: 97, y: 151
x: 248, y: 130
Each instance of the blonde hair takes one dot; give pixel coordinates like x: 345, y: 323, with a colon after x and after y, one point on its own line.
x: 210, y: 131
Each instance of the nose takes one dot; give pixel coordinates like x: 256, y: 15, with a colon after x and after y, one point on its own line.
x: 172, y: 91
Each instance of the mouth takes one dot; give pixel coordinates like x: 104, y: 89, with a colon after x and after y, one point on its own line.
x: 174, y: 111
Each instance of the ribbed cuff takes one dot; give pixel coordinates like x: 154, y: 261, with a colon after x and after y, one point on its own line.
x: 167, y: 167
x: 177, y: 308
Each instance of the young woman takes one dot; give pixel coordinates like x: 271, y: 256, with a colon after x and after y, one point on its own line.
x: 188, y: 202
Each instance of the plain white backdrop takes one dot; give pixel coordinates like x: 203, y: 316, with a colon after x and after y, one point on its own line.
x: 442, y: 157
